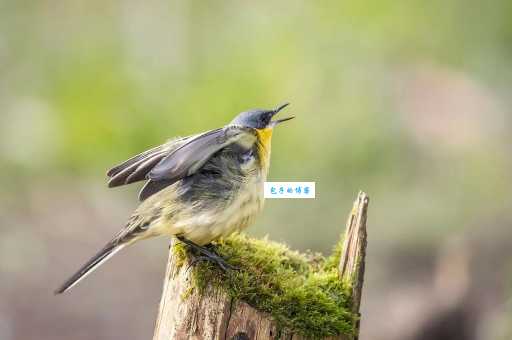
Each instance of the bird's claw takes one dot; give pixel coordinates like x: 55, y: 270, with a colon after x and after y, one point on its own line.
x: 215, y: 259
x: 207, y: 255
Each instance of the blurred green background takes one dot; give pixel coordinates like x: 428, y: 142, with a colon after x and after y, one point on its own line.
x: 407, y: 100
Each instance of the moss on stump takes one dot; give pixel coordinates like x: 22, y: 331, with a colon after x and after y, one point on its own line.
x: 302, y: 292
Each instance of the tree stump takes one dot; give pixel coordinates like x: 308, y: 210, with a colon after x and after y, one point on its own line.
x: 212, y: 313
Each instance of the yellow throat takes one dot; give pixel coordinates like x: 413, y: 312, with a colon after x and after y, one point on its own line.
x: 264, y: 141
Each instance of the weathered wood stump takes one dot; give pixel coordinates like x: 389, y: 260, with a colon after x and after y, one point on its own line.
x: 212, y: 313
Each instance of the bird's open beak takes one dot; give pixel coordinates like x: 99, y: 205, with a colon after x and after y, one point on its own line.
x: 278, y: 121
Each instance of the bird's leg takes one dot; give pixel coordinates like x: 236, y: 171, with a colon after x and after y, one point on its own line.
x: 207, y: 255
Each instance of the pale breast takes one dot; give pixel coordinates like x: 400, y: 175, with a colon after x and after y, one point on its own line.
x: 244, y: 208
x: 204, y: 226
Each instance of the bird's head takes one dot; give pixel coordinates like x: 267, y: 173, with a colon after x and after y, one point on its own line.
x: 260, y: 119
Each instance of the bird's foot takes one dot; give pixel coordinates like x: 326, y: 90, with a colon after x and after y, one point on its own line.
x: 217, y: 260
x: 207, y: 255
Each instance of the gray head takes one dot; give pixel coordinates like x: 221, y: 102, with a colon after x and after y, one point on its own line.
x: 259, y: 119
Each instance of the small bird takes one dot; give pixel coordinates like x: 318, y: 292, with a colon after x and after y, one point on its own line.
x: 198, y: 188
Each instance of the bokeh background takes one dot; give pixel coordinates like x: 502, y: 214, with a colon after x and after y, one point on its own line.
x: 407, y: 100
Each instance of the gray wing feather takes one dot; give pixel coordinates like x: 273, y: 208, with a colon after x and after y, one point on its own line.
x: 118, y: 168
x: 152, y: 187
x: 190, y: 157
x: 170, y: 162
x: 142, y: 170
x: 136, y: 168
x: 136, y: 171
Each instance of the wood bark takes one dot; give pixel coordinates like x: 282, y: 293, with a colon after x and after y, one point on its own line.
x: 214, y: 315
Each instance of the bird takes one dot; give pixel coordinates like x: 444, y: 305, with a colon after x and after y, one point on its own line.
x: 197, y: 188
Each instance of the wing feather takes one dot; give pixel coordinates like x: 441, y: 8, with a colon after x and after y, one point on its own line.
x: 136, y: 171
x: 191, y: 156
x: 143, y: 169
x: 170, y: 162
x: 136, y: 168
x: 152, y: 187
x: 120, y: 167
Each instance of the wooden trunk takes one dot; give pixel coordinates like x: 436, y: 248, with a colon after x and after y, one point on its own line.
x: 212, y: 314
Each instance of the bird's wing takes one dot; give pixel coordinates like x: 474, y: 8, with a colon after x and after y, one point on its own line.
x: 192, y: 155
x: 170, y: 162
x: 136, y: 168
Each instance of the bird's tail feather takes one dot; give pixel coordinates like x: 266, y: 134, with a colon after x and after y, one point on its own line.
x: 103, y: 255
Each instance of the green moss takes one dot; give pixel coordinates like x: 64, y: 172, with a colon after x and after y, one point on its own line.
x: 332, y: 262
x: 302, y: 292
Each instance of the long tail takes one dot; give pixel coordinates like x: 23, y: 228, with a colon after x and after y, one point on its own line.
x: 103, y: 255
